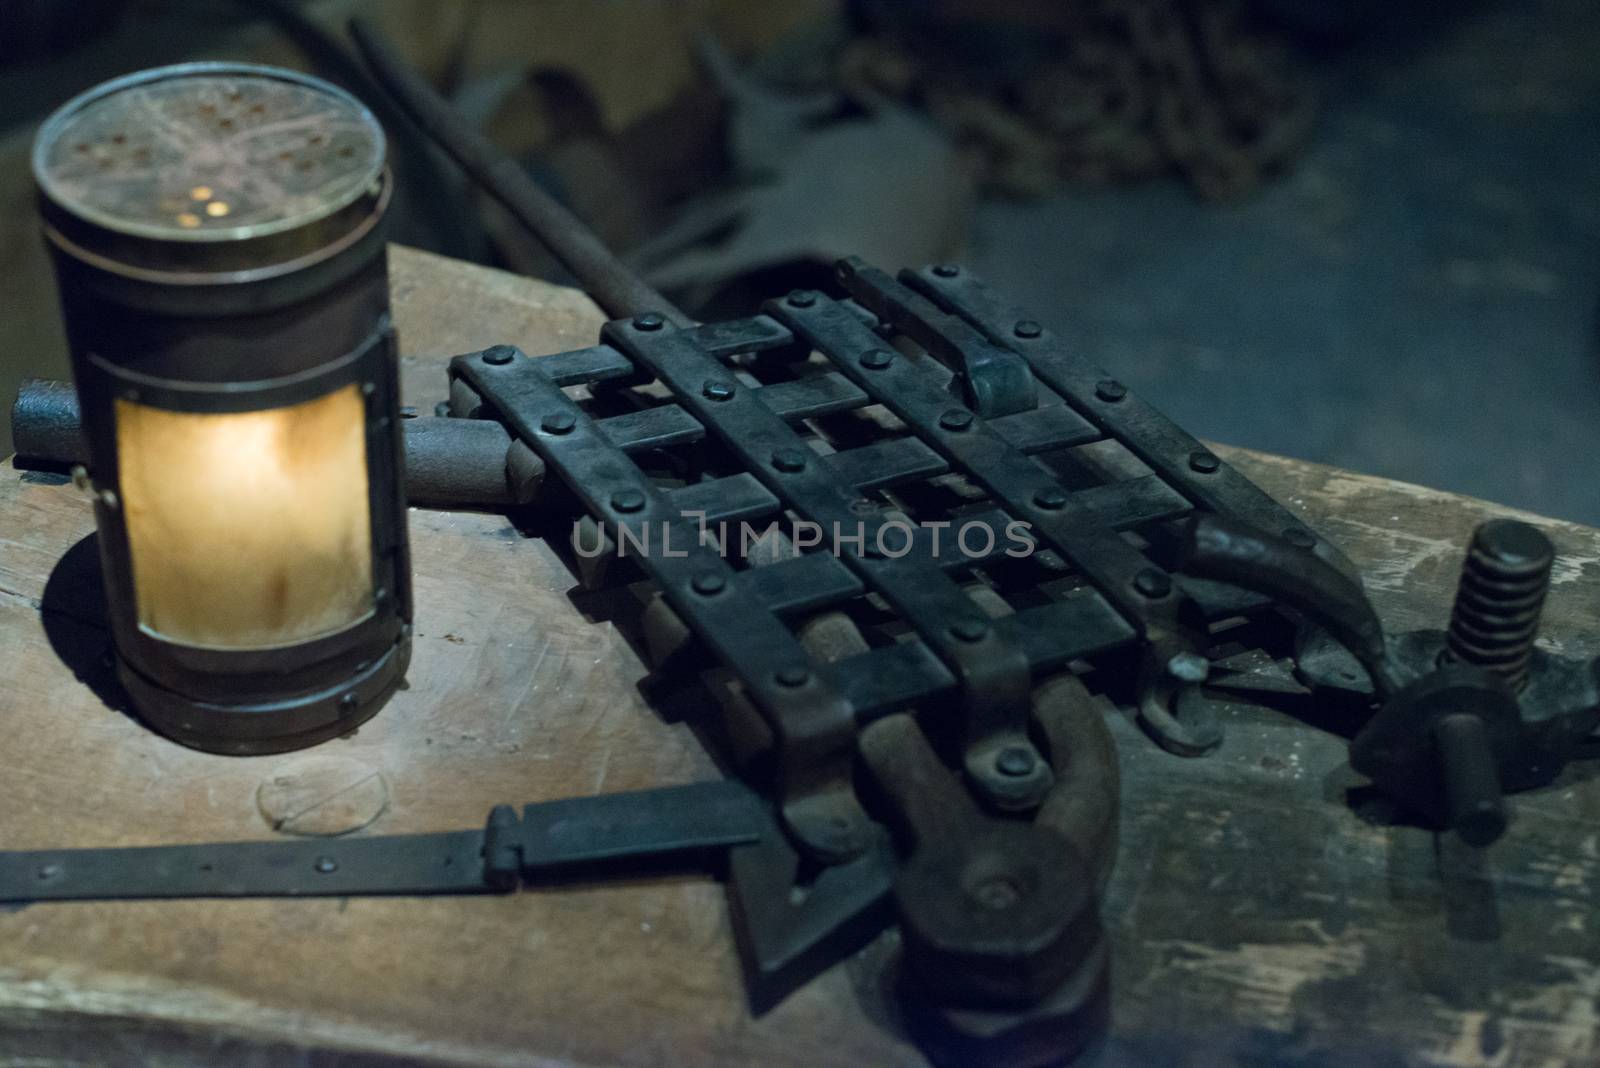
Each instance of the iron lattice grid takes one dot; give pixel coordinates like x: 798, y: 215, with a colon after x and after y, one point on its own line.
x: 922, y: 398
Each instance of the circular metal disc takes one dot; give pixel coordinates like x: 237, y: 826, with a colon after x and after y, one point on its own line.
x: 208, y: 152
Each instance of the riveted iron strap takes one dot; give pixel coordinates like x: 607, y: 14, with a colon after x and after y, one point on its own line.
x: 1169, y: 450
x: 550, y: 836
x: 815, y: 725
x: 993, y: 672
x: 915, y: 394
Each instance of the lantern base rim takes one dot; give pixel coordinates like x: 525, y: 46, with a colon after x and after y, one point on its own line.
x: 260, y: 729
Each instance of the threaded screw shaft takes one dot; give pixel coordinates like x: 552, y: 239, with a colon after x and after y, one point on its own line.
x: 1503, y: 584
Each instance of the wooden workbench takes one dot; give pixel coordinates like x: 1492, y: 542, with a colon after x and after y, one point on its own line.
x: 1256, y: 917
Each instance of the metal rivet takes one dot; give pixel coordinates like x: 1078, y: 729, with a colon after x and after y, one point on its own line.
x: 48, y: 871
x: 368, y: 388
x: 558, y: 423
x: 348, y: 703
x: 628, y: 500
x: 1015, y: 761
x: 946, y: 270
x: 788, y: 459
x: 1051, y: 497
x: 647, y: 321
x: 793, y: 675
x: 326, y: 865
x: 1203, y: 462
x: 971, y: 629
x: 717, y: 391
x: 1109, y: 389
x: 1153, y: 582
x: 1299, y: 536
x: 802, y: 298
x: 499, y: 355
x: 876, y: 359
x: 956, y: 419
x: 708, y: 583
x: 1027, y: 328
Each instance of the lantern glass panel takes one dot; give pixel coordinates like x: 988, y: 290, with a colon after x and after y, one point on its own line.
x: 248, y: 529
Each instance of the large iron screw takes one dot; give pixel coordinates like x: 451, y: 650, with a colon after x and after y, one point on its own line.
x: 1503, y: 584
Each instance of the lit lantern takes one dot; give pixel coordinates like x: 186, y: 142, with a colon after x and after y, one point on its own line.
x: 217, y: 233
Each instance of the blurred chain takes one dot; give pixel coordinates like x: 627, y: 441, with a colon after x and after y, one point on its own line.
x: 1141, y: 86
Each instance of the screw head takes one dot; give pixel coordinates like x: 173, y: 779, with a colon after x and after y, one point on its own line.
x: 876, y: 359
x: 326, y: 865
x: 946, y: 270
x: 1109, y: 389
x: 648, y: 321
x: 717, y: 391
x: 1051, y: 497
x: 802, y: 298
x: 1027, y: 328
x: 971, y: 629
x: 708, y: 583
x: 1015, y: 761
x: 558, y: 423
x: 793, y: 675
x: 628, y: 500
x: 788, y: 459
x: 1203, y: 462
x: 956, y: 419
x: 1153, y: 582
x: 48, y: 871
x: 1300, y: 537
x: 499, y: 355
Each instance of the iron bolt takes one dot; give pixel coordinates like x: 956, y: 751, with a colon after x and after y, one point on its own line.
x: 1109, y: 389
x: 876, y: 359
x: 1299, y: 537
x: 558, y: 423
x: 628, y: 500
x: 1501, y: 594
x: 793, y: 675
x: 648, y: 321
x: 788, y: 460
x: 499, y: 355
x: 1027, y: 328
x: 1015, y: 761
x: 1051, y: 497
x: 1189, y: 667
x: 946, y: 270
x: 956, y: 419
x: 708, y: 583
x: 718, y: 391
x: 1153, y: 582
x: 49, y: 871
x: 326, y: 865
x: 802, y: 298
x: 347, y: 703
x: 1203, y: 462
x: 997, y: 894
x: 971, y: 629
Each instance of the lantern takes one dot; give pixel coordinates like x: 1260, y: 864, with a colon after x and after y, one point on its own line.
x: 218, y: 241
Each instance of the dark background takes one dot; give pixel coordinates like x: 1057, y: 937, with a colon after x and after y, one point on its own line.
x: 1407, y: 286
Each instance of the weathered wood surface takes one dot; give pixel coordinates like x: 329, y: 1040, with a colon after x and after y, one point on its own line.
x: 1256, y: 917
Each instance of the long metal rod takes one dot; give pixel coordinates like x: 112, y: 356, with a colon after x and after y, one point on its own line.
x: 618, y: 290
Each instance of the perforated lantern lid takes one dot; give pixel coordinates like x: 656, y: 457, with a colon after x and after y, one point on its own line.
x: 209, y: 165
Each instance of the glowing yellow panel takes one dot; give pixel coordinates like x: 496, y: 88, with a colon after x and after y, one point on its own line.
x: 248, y: 529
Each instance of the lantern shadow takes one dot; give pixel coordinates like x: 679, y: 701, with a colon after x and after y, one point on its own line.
x: 78, y: 625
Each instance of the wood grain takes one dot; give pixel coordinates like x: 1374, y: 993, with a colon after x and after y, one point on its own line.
x: 1256, y: 917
